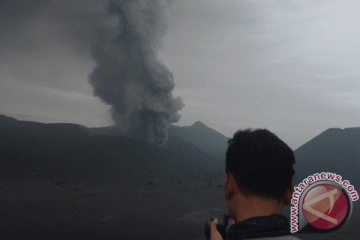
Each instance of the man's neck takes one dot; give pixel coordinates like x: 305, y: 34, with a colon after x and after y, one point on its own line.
x: 244, y: 207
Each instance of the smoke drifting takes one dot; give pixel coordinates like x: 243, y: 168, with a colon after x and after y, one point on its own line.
x: 129, y: 76
x: 121, y: 36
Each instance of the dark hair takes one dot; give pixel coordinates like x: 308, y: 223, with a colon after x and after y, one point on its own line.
x: 260, y: 162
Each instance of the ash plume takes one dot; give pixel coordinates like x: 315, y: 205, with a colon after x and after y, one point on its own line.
x: 129, y: 76
x: 121, y: 36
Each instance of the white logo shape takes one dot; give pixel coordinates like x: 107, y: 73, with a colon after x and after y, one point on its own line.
x: 330, y: 195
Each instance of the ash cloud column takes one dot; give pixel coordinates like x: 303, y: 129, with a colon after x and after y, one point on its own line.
x: 129, y: 76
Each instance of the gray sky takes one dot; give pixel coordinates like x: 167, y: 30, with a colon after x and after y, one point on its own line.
x: 289, y: 66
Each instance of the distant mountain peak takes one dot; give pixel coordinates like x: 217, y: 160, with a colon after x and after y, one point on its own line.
x: 199, y: 125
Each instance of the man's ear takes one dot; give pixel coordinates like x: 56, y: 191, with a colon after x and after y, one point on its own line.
x: 228, y: 186
x: 288, y: 195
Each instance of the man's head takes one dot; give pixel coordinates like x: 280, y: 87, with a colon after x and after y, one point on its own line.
x: 260, y: 164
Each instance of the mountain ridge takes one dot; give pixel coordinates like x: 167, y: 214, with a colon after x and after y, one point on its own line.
x: 334, y: 150
x: 28, y: 151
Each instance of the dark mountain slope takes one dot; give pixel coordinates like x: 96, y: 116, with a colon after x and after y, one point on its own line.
x: 335, y: 150
x: 13, y: 126
x: 197, y: 134
x: 42, y: 151
x: 202, y: 136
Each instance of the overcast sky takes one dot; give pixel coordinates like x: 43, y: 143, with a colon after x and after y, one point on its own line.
x: 289, y: 66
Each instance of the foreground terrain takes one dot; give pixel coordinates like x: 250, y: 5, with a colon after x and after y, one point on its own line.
x: 63, y: 181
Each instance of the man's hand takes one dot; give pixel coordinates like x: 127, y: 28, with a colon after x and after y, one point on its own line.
x: 214, y: 234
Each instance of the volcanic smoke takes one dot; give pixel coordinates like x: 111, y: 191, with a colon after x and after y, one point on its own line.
x: 129, y: 76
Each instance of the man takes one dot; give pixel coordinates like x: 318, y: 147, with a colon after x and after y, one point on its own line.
x: 258, y: 184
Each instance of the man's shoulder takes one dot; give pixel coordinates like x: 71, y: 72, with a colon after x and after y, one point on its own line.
x: 288, y: 237
x: 272, y: 227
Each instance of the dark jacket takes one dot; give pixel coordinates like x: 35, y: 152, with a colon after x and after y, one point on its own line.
x: 274, y: 226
